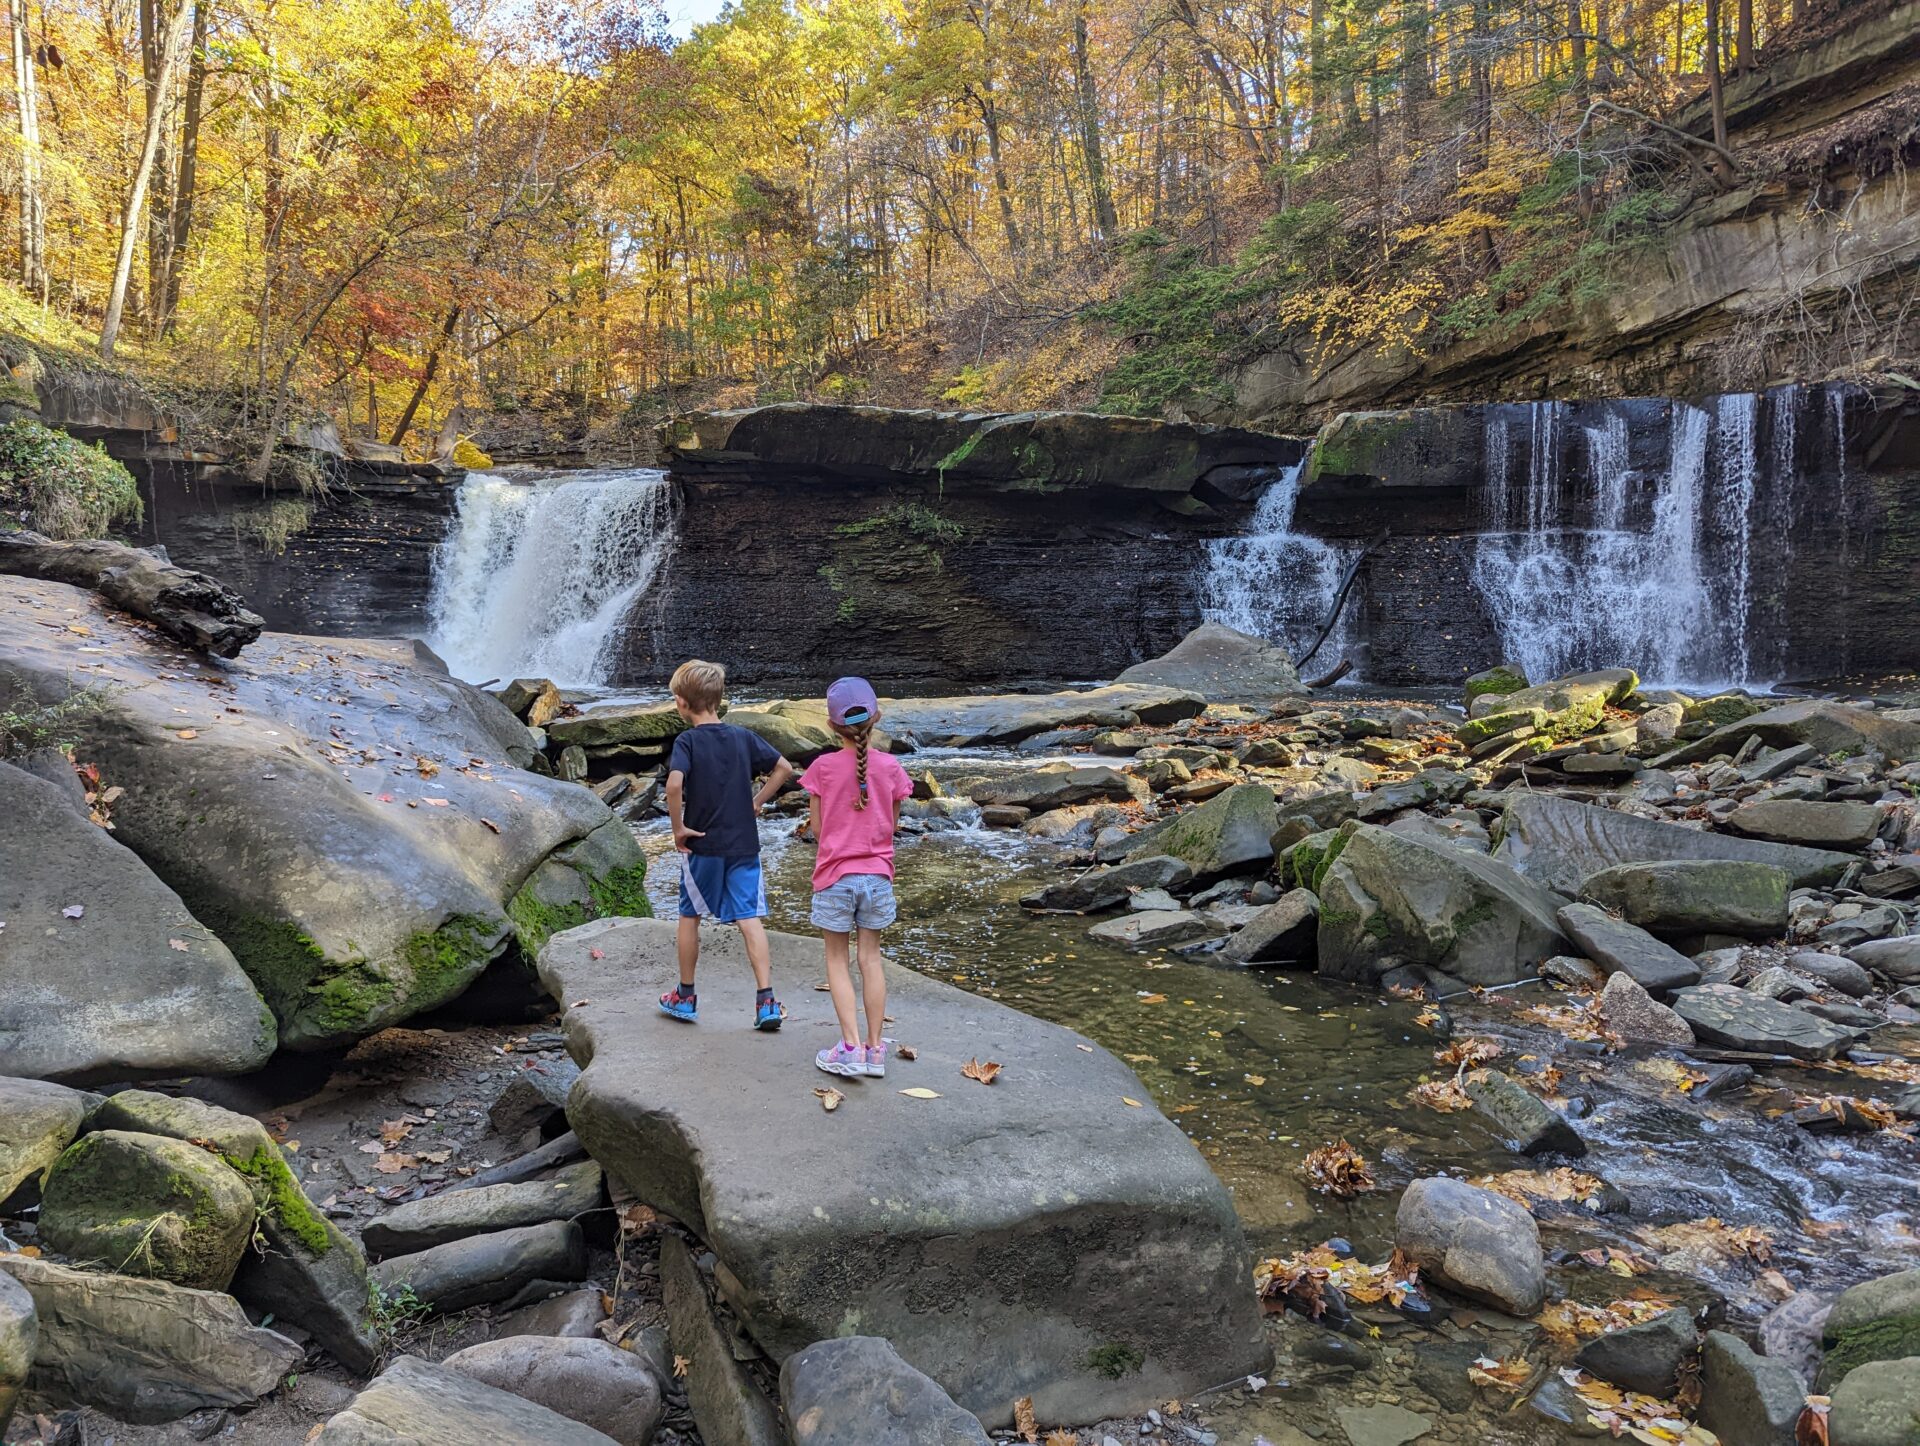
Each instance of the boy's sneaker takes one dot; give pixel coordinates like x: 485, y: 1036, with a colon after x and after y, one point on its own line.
x: 877, y: 1060
x: 843, y: 1059
x: 676, y: 1006
x: 769, y: 1016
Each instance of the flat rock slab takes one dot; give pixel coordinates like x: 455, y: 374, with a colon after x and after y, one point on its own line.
x: 1022, y: 1228
x: 1560, y: 844
x: 132, y: 984
x: 1807, y: 821
x: 457, y: 1214
x: 1010, y: 717
x: 1107, y: 888
x: 1231, y: 833
x: 1222, y: 664
x: 1824, y: 726
x: 417, y: 1404
x: 1694, y: 896
x: 485, y: 1268
x: 143, y: 1350
x: 1741, y: 1019
x: 728, y: 1407
x: 1155, y: 929
x: 343, y: 815
x: 37, y: 1122
x: 1381, y: 1425
x: 1622, y: 948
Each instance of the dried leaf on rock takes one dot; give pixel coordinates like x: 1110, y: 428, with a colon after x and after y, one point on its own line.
x: 1471, y: 1051
x: 1628, y: 1413
x: 1618, y: 1261
x: 394, y: 1164
x: 1561, y: 1185
x: 1061, y: 1438
x: 1811, y: 1428
x: 986, y: 1073
x: 637, y: 1219
x: 906, y: 1052
x: 1429, y: 1017
x: 1023, y: 1420
x: 394, y: 1131
x: 1131, y: 1103
x: 1571, y: 1022
x: 1445, y: 1095
x: 1571, y: 1321
x: 1673, y: 1074
x: 1339, y: 1170
x: 1714, y: 1235
x: 1508, y: 1376
x: 830, y: 1098
x: 681, y: 1365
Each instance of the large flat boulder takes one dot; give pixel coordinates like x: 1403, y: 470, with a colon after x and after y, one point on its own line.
x: 1009, y: 717
x: 1694, y: 896
x: 344, y: 816
x: 1014, y: 1240
x: 1560, y: 844
x: 1622, y: 948
x: 1223, y: 665
x: 1058, y: 787
x: 1387, y: 900
x: 589, y: 1381
x: 106, y: 975
x: 421, y: 1404
x: 1827, y: 727
x: 143, y: 1350
x: 1807, y: 821
x: 1742, y: 1019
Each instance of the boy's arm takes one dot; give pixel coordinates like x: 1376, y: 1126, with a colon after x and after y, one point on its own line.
x: 681, y: 833
x: 776, y: 780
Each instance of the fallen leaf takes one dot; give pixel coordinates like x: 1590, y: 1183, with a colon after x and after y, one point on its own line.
x: 187, y: 733
x: 1811, y: 1428
x: 986, y: 1073
x: 830, y: 1098
x: 681, y: 1365
x: 906, y: 1052
x: 1469, y: 1052
x: 1508, y: 1376
x: 1445, y: 1095
x: 1560, y: 1186
x: 436, y: 802
x: 1084, y: 1048
x: 638, y: 1219
x: 427, y: 768
x: 393, y: 1164
x: 1130, y: 1100
x: 921, y: 1092
x: 180, y: 944
x: 1153, y: 999
x: 1256, y: 1080
x: 1023, y: 1421
x: 1061, y: 1438
x: 491, y: 824
x: 394, y: 1131
x: 73, y: 911
x: 1339, y: 1170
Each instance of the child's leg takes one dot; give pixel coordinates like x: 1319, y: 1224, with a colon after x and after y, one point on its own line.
x: 873, y: 984
x: 840, y: 986
x: 753, y: 933
x: 687, y: 945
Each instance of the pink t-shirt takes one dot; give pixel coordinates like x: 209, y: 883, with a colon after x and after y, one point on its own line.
x: 855, y: 840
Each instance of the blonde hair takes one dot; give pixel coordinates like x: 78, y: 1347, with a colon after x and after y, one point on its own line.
x: 859, y: 735
x: 699, y: 685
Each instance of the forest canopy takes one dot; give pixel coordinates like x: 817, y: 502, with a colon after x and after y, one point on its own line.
x: 387, y: 208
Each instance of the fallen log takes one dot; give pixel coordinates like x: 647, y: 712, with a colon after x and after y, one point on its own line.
x: 188, y: 606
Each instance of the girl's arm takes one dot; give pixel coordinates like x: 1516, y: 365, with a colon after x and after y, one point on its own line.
x: 812, y: 829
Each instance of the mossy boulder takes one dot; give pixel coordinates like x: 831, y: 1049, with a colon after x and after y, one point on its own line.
x: 1387, y: 901
x: 1228, y: 834
x: 37, y: 1123
x: 150, y: 1206
x: 603, y: 727
x: 1877, y: 1320
x: 1877, y: 1405
x: 601, y: 876
x: 1694, y: 896
x: 1489, y: 726
x: 1500, y: 679
x: 1721, y: 709
x: 310, y: 1273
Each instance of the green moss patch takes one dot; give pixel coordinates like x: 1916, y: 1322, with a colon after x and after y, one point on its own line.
x: 61, y: 486
x: 1892, y: 1339
x: 285, y: 1200
x: 1115, y: 1360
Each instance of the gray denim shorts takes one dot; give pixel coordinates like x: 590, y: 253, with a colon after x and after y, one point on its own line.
x: 854, y: 901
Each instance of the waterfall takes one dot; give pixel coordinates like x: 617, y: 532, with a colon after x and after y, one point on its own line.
x: 1272, y: 581
x: 536, y: 577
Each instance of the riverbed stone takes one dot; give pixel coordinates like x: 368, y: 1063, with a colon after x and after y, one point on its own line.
x: 107, y: 974
x: 989, y: 718
x: 481, y: 1269
x: 1156, y: 929
x: 589, y: 1381
x: 1622, y: 948
x: 1803, y: 821
x: 1560, y: 844
x: 343, y: 814
x: 310, y: 1272
x: 1833, y: 971
x: 1528, y: 1124
x: 856, y: 1390
x: 37, y: 1121
x: 1740, y: 1019
x: 1878, y: 1404
x: 571, y: 1313
x: 1746, y: 1397
x: 1693, y: 896
x: 1644, y: 1357
x: 142, y: 1350
x: 1634, y: 1014
x: 1040, y: 789
x: 1381, y: 1425
x: 1228, y: 834
x: 727, y: 1404
x: 1107, y: 888
x: 456, y: 1214
x: 421, y: 1404
x: 147, y: 1205
x: 621, y: 723
x: 1387, y: 900
x: 1104, y: 1232
x: 1473, y: 1241
x: 1876, y: 1320
x: 1829, y: 727
x: 1223, y: 665
x: 19, y: 1339
x: 1285, y: 930
x: 1898, y: 959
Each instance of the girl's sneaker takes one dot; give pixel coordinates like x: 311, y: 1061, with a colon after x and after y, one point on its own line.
x: 768, y: 1017
x: 877, y: 1060
x: 843, y: 1059
x: 675, y: 1005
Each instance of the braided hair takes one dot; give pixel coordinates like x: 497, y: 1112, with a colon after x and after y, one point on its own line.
x: 860, y: 735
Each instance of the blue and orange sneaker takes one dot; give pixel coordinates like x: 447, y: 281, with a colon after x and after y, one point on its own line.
x: 847, y: 1060
x: 678, y: 1005
x: 769, y: 1015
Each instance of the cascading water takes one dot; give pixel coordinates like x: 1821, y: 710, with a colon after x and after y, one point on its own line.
x: 1271, y: 581
x: 537, y: 576
x: 1672, y: 596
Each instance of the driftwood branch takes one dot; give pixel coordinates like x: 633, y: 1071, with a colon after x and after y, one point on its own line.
x: 1340, y: 601
x: 188, y: 606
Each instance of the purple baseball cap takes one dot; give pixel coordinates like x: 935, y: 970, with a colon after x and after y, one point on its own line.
x: 851, y: 701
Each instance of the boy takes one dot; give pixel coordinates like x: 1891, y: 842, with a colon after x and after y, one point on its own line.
x: 713, y: 808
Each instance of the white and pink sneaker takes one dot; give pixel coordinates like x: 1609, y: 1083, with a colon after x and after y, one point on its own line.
x: 848, y: 1060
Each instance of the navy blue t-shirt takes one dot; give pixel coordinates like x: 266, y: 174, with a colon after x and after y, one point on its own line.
x: 720, y: 762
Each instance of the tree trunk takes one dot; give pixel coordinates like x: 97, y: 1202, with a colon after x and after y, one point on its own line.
x: 990, y: 123
x: 182, y: 219
x: 1716, y: 92
x: 33, y: 215
x: 1577, y: 39
x: 1253, y: 138
x: 1105, y: 223
x: 1316, y: 71
x: 1743, y: 38
x: 159, y: 199
x: 1416, y: 31
x: 172, y: 49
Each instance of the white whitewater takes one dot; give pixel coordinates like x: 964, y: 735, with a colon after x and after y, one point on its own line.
x: 539, y: 574
x: 1274, y: 582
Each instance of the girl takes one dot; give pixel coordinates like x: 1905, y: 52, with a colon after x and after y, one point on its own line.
x: 855, y: 808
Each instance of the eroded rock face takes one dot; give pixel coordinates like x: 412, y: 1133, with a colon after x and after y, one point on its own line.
x: 347, y: 819
x: 1104, y: 1236
x: 133, y: 985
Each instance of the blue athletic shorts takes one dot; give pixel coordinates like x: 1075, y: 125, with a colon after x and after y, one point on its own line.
x: 727, y: 889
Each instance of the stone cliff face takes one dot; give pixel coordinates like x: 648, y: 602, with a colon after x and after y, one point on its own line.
x: 940, y: 548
